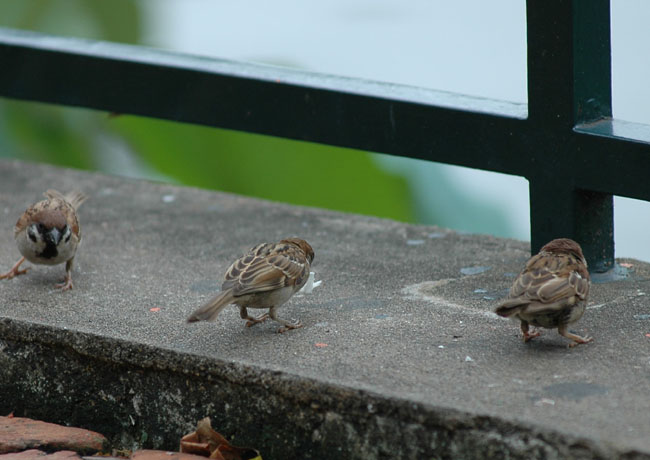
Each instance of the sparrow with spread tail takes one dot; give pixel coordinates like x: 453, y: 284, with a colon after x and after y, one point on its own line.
x: 551, y: 291
x: 48, y: 234
x: 265, y: 277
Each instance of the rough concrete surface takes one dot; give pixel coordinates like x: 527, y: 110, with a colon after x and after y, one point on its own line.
x: 400, y: 351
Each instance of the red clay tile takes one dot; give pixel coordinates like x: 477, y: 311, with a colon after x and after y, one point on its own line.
x: 35, y: 454
x: 18, y: 434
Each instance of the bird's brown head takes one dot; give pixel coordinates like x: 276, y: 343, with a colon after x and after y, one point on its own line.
x: 48, y: 232
x: 564, y: 246
x: 302, y: 244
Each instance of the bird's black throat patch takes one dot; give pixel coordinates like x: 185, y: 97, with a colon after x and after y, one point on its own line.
x: 49, y: 252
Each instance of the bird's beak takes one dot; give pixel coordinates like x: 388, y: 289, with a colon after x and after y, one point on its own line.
x: 53, y: 236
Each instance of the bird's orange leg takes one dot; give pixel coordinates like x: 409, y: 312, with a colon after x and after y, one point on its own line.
x: 286, y: 325
x: 577, y: 340
x: 14, y: 270
x: 66, y: 284
x: 252, y: 320
x: 67, y: 281
x: 528, y: 335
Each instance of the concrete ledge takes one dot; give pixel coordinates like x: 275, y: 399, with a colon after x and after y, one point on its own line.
x: 415, y: 366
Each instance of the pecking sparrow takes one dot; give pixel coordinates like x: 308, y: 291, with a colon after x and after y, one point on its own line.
x: 48, y: 233
x: 551, y: 291
x: 265, y: 277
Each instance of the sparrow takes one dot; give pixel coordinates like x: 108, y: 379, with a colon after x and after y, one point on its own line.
x: 265, y: 277
x: 551, y: 291
x: 48, y: 234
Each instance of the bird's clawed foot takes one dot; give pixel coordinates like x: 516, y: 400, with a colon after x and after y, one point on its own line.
x: 252, y: 321
x: 288, y: 326
x: 528, y: 336
x: 66, y: 284
x: 14, y: 270
x: 580, y: 340
x: 577, y: 340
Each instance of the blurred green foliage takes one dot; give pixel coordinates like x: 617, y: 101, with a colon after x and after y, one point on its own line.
x: 44, y: 133
x: 115, y: 20
x: 268, y: 167
x: 293, y: 172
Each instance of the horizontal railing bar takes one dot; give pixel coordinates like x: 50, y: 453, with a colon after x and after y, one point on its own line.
x: 380, y: 117
x: 613, y: 157
x: 617, y: 129
x: 260, y: 72
x: 372, y: 116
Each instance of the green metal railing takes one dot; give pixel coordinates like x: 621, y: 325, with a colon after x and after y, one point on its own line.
x: 564, y: 141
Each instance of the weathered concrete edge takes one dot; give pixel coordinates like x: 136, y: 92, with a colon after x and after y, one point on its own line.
x: 119, y: 382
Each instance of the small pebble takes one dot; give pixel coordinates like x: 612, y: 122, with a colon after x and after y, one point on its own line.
x: 414, y: 242
x: 545, y: 402
x: 473, y: 270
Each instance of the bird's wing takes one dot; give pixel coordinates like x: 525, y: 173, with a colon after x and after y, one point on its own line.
x: 540, y: 291
x: 267, y: 267
x: 546, y: 284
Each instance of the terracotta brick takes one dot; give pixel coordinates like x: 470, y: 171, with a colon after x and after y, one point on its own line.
x: 35, y: 454
x: 18, y: 434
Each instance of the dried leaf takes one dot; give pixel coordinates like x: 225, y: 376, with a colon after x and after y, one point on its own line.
x: 208, y: 443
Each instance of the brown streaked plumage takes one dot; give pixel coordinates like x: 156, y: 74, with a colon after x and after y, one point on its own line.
x: 551, y: 291
x: 265, y: 277
x: 48, y: 233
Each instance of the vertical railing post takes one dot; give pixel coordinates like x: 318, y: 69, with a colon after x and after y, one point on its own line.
x: 595, y: 228
x: 592, y: 69
x: 562, y: 211
x: 569, y: 82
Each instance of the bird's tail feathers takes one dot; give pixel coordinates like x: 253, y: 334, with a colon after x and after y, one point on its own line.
x: 509, y: 307
x: 211, y: 309
x: 75, y: 198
